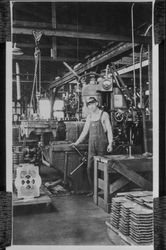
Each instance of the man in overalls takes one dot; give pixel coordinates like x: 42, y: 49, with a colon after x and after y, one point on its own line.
x: 100, y: 135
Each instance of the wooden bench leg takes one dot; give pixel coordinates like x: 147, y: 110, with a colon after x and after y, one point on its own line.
x: 106, y: 186
x: 95, y: 195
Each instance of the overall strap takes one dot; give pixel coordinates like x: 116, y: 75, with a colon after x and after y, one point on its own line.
x: 101, y: 115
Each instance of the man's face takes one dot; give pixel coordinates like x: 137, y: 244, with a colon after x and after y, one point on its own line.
x: 92, y: 107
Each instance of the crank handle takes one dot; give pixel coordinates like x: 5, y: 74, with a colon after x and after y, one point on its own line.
x: 80, y: 165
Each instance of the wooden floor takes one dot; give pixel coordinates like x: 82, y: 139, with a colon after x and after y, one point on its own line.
x: 73, y: 220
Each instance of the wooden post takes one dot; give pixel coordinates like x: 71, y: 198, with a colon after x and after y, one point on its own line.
x: 106, y: 186
x: 95, y: 196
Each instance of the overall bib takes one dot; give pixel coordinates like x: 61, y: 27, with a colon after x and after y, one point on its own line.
x: 97, y: 145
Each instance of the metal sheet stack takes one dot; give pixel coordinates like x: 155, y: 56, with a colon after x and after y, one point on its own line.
x: 137, y: 194
x: 132, y: 216
x: 148, y: 201
x: 115, y: 211
x: 124, y: 224
x: 141, y: 225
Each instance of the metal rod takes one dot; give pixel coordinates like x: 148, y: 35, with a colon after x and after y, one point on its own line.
x: 144, y: 131
x: 77, y: 150
x: 40, y: 73
x: 132, y: 24
x: 80, y: 165
x: 33, y: 87
x: 140, y: 77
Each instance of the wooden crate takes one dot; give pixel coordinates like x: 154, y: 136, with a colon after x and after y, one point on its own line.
x: 64, y: 158
x: 114, y: 172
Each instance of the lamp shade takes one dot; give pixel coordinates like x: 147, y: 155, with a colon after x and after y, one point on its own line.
x: 17, y: 51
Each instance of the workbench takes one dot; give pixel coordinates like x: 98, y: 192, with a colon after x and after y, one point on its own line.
x: 113, y: 172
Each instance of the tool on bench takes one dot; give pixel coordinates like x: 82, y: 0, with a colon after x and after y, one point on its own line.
x: 83, y: 159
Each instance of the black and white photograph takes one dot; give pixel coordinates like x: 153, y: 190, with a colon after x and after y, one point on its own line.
x: 83, y: 123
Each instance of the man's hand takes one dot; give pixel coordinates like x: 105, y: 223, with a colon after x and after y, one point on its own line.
x: 73, y: 144
x: 109, y: 148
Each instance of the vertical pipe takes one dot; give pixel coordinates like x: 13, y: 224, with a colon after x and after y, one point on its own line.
x: 142, y: 104
x: 40, y: 73
x: 140, y: 77
x: 132, y: 27
x: 18, y: 81
x: 150, y: 79
x: 141, y: 101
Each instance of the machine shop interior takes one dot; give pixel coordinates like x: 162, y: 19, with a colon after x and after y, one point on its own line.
x: 67, y: 57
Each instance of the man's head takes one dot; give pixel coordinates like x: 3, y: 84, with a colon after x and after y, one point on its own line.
x: 92, y: 103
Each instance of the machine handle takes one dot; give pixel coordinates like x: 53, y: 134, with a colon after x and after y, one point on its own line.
x: 80, y: 165
x: 77, y: 150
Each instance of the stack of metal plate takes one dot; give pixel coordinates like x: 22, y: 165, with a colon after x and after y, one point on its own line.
x: 139, y: 200
x: 137, y: 194
x: 125, y: 217
x: 128, y: 193
x: 145, y: 201
x: 148, y: 201
x: 141, y: 225
x: 115, y: 211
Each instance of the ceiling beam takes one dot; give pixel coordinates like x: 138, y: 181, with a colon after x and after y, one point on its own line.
x: 32, y: 45
x: 131, y: 68
x: 81, y: 35
x: 45, y: 58
x: 102, y: 58
x: 43, y: 25
x: 48, y: 46
x: 31, y: 81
